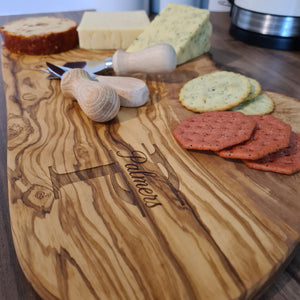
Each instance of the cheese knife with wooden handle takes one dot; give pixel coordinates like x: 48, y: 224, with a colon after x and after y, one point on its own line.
x: 159, y: 58
x: 132, y: 92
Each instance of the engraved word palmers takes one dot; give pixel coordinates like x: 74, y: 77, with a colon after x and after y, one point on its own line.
x: 145, y: 183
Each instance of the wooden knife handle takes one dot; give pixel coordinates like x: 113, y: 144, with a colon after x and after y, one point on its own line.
x: 158, y: 58
x: 99, y: 102
x: 133, y: 92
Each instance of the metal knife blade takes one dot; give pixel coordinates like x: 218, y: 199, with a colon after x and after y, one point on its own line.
x: 58, y: 71
x: 55, y: 70
x: 92, y: 66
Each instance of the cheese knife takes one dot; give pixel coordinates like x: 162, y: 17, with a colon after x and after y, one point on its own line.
x: 132, y: 92
x: 158, y: 58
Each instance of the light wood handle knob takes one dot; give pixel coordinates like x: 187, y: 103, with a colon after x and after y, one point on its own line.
x: 158, y: 58
x: 132, y: 92
x: 99, y: 102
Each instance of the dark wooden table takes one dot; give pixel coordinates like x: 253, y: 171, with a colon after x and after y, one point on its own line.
x: 277, y: 71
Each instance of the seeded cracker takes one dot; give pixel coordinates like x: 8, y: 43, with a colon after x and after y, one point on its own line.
x: 270, y: 135
x: 214, y: 130
x: 219, y: 90
x: 284, y: 161
x: 260, y: 105
x: 255, y: 89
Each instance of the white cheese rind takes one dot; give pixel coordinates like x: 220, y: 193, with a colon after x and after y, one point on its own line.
x: 184, y: 27
x: 111, y: 30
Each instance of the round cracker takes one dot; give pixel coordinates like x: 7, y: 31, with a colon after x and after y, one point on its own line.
x: 284, y: 161
x: 271, y: 134
x: 260, y: 105
x: 214, y: 130
x: 255, y: 89
x: 219, y: 90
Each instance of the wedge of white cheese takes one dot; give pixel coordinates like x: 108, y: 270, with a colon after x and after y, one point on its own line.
x: 185, y: 27
x: 111, y: 30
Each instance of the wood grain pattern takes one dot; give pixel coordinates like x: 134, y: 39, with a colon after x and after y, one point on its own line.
x: 121, y: 211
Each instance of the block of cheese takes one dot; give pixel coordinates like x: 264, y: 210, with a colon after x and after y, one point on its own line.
x: 110, y: 30
x: 185, y: 27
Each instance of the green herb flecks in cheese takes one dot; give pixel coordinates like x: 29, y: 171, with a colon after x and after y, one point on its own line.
x: 184, y: 27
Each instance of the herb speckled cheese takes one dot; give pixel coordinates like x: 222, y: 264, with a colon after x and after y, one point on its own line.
x: 184, y: 27
x: 111, y: 30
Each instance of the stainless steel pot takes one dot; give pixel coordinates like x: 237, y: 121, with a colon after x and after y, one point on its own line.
x: 270, y: 23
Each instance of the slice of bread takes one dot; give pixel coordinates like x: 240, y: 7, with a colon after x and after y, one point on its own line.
x: 40, y: 35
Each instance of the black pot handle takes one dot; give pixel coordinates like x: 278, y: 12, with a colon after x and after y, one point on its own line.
x: 232, y: 3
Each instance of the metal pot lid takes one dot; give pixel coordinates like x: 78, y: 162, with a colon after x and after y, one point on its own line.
x: 273, y: 7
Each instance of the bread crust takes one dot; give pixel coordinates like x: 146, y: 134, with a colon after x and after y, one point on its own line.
x: 42, y: 43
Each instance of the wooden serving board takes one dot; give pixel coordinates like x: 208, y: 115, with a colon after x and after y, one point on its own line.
x: 121, y: 211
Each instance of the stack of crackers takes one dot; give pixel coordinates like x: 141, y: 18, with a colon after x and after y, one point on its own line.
x: 234, y: 123
x: 223, y: 90
x: 262, y: 142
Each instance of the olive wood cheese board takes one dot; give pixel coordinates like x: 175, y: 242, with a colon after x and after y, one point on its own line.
x: 120, y: 211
